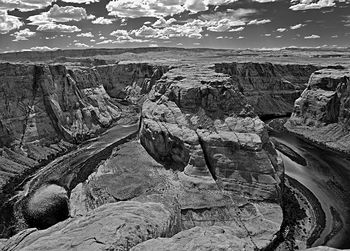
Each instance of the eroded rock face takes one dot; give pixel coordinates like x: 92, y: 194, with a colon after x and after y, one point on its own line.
x: 130, y: 80
x: 270, y: 88
x: 195, y: 121
x: 322, y: 113
x: 115, y: 226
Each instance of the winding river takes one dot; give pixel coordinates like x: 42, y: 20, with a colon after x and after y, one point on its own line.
x: 327, y: 176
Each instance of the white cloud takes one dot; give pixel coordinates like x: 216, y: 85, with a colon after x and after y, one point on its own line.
x: 311, y: 4
x: 155, y: 8
x: 221, y: 21
x: 81, y: 1
x: 224, y: 25
x: 281, y: 29
x: 153, y: 45
x: 297, y: 26
x: 102, y: 20
x: 52, y: 27
x: 24, y: 5
x: 81, y: 45
x: 87, y: 34
x: 144, y: 8
x: 23, y: 34
x: 8, y: 22
x: 312, y: 37
x: 191, y: 29
x: 60, y: 14
x: 43, y: 48
x: 267, y: 35
x: 255, y: 21
x: 237, y: 29
x: 161, y: 22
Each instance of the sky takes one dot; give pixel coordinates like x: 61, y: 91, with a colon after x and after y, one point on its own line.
x: 232, y: 24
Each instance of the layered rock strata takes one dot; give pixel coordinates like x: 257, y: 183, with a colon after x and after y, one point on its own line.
x: 322, y: 113
x: 195, y: 121
x: 270, y: 88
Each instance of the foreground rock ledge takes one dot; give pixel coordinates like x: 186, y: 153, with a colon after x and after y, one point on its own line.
x: 115, y: 226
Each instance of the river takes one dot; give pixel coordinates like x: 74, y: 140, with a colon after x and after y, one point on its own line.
x: 327, y: 176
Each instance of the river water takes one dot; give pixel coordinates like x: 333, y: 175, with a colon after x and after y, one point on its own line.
x: 327, y: 176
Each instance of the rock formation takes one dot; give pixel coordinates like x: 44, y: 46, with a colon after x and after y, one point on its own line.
x: 270, y: 88
x: 322, y: 113
x: 203, y: 172
x: 197, y: 122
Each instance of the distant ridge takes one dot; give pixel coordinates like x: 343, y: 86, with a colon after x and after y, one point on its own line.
x: 50, y: 55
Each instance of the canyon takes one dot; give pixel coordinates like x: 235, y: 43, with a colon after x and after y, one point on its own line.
x: 164, y: 154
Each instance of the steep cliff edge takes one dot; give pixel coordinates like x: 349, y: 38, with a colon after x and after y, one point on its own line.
x: 322, y: 113
x: 270, y: 88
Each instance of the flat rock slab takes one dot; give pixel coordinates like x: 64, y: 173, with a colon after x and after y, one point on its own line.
x: 115, y: 226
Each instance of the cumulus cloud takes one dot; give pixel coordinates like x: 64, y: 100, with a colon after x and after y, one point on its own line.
x: 311, y: 4
x: 81, y: 45
x: 237, y: 29
x: 60, y: 14
x: 43, y: 48
x: 102, y: 20
x: 281, y: 29
x: 297, y: 26
x: 24, y: 5
x: 257, y: 22
x: 161, y: 22
x: 81, y: 1
x: 52, y: 27
x: 155, y: 8
x: 144, y: 8
x: 191, y: 29
x: 87, y: 34
x: 23, y: 35
x: 312, y: 37
x: 8, y: 22
x: 221, y: 21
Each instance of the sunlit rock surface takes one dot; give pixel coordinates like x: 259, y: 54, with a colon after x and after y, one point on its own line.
x: 322, y: 113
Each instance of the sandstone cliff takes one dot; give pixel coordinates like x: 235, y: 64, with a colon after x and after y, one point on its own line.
x: 270, y: 88
x: 197, y: 122
x: 322, y: 113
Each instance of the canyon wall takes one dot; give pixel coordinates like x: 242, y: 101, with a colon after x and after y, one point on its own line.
x: 270, y: 88
x: 322, y: 113
x: 45, y: 110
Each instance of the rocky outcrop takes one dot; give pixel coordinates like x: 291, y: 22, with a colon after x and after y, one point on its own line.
x: 270, y: 88
x: 195, y: 121
x: 115, y: 226
x: 322, y: 113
